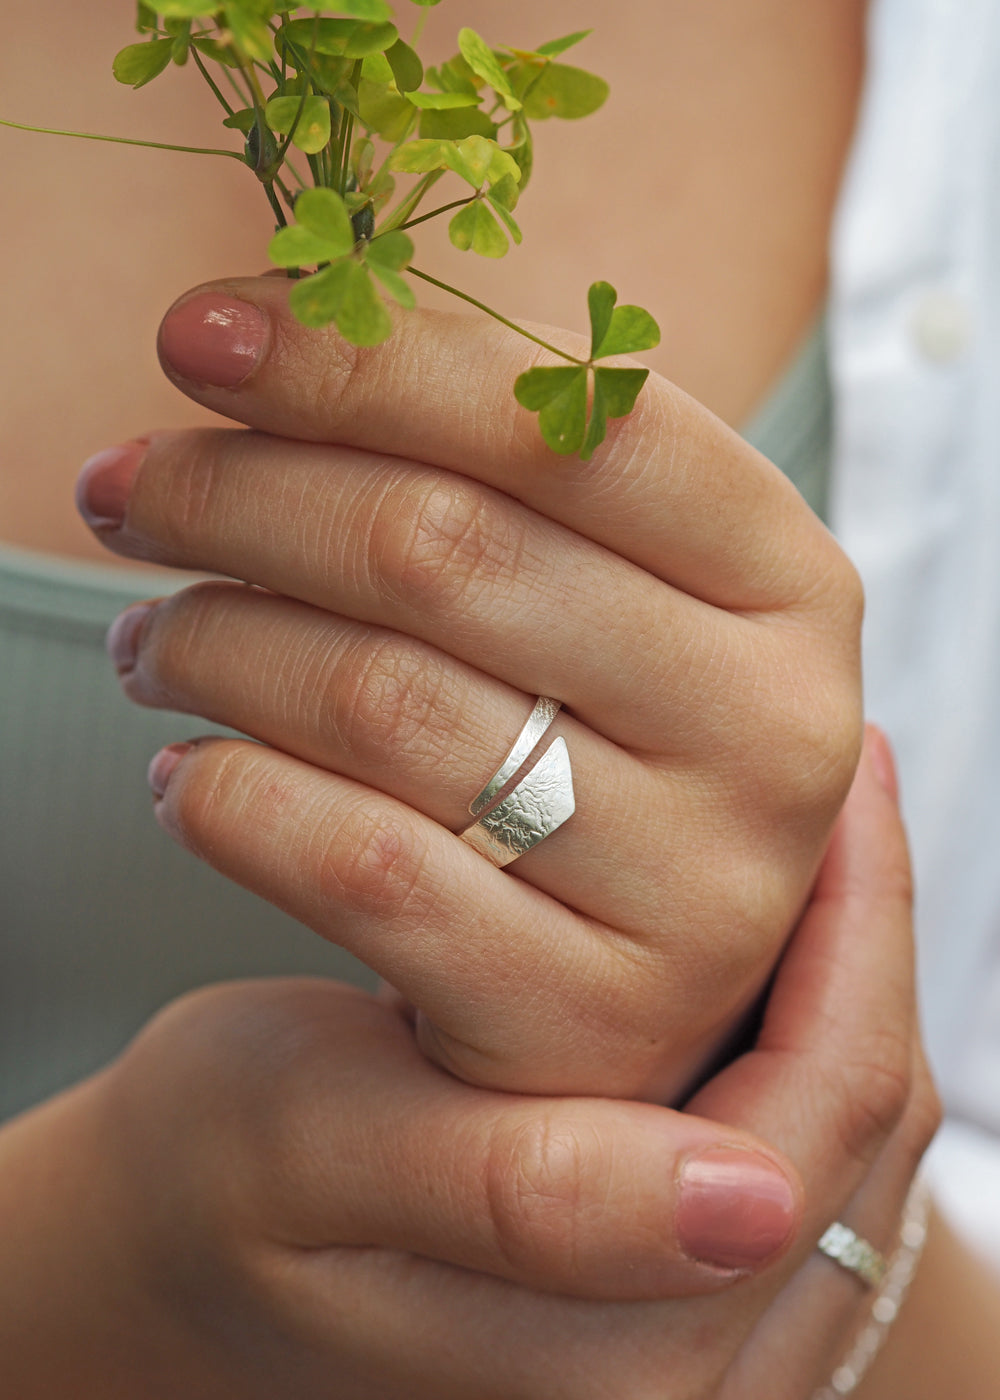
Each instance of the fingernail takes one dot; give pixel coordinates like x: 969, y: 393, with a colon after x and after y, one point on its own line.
x: 213, y: 339
x: 122, y: 641
x: 105, y: 484
x: 163, y: 765
x: 736, y: 1209
x: 880, y: 757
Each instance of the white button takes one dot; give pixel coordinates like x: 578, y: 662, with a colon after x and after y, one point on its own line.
x: 942, y: 326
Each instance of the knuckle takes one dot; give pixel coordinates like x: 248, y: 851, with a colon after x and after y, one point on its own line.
x: 540, y: 1188
x: 874, y: 1091
x: 197, y: 461
x: 924, y: 1113
x: 376, y: 865
x: 441, y: 545
x: 816, y: 738
x: 393, y: 699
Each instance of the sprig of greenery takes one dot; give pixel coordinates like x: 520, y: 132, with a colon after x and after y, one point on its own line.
x: 341, y: 90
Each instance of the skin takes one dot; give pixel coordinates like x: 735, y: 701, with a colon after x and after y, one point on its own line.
x: 450, y: 566
x: 274, y: 1183
x: 727, y: 338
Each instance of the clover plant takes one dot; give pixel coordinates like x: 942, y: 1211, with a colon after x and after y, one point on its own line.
x: 348, y: 133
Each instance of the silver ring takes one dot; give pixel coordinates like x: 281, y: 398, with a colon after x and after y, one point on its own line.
x: 508, y: 826
x: 853, y: 1253
x: 527, y: 741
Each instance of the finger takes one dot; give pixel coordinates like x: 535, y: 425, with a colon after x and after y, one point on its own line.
x: 430, y: 915
x: 407, y: 719
x: 460, y: 567
x: 673, y: 490
x: 368, y: 1145
x: 832, y: 1073
x: 824, y: 1301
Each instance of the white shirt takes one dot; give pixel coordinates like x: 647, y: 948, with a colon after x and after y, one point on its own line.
x: 915, y: 360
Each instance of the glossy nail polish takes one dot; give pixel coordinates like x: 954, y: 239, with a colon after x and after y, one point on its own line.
x: 213, y: 339
x: 736, y: 1208
x: 163, y: 765
x: 122, y: 641
x: 105, y: 484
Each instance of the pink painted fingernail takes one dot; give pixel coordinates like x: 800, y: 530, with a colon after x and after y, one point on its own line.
x: 736, y: 1208
x: 122, y: 641
x: 163, y: 765
x: 213, y: 339
x: 105, y: 484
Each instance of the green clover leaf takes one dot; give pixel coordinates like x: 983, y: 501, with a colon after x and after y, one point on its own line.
x: 558, y: 393
x: 307, y: 118
x: 618, y: 330
x: 344, y: 293
x: 484, y: 63
x: 323, y: 231
x: 138, y: 64
x: 387, y: 255
x: 475, y: 227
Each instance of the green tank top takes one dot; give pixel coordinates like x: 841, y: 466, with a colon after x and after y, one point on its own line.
x: 103, y: 918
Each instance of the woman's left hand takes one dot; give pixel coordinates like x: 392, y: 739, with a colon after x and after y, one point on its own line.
x: 430, y: 568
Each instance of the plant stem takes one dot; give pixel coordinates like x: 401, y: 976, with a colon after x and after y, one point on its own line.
x: 210, y: 80
x: 512, y: 325
x: 123, y: 140
x: 409, y: 205
x: 443, y: 209
x: 230, y: 77
x: 275, y: 204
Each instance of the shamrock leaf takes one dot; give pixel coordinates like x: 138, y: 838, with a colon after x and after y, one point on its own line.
x: 475, y: 227
x: 343, y: 292
x: 556, y: 90
x: 477, y: 160
x: 387, y: 255
x: 138, y: 64
x: 615, y: 393
x: 307, y: 118
x: 618, y: 330
x: 484, y: 63
x: 322, y: 233
x: 558, y: 393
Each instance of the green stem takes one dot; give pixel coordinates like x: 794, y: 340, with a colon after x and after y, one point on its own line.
x: 210, y: 80
x: 418, y: 28
x: 122, y: 140
x: 512, y: 325
x: 245, y: 99
x: 275, y: 204
x: 347, y: 134
x: 411, y: 202
x: 306, y: 90
x: 443, y: 209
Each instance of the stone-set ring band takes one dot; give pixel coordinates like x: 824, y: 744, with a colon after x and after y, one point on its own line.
x: 853, y: 1253
x: 508, y: 824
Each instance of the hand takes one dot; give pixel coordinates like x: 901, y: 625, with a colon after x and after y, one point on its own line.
x: 274, y: 1193
x: 438, y: 567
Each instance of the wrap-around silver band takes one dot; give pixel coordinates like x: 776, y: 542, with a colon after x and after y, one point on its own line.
x: 527, y: 741
x: 536, y: 806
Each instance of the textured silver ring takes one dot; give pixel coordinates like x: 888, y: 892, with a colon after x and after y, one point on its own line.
x: 509, y: 824
x: 853, y: 1253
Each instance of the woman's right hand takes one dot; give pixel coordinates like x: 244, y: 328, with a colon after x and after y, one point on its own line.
x: 273, y: 1193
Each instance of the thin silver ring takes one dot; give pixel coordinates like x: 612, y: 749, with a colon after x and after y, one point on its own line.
x: 853, y: 1253
x: 509, y: 825
x: 544, y: 712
